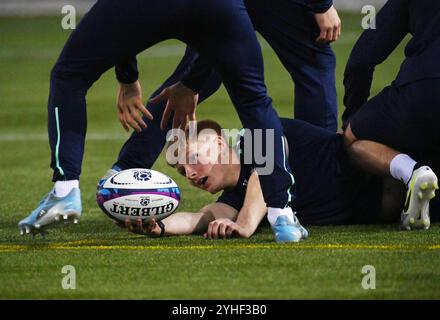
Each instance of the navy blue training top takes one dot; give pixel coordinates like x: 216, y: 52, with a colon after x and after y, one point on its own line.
x: 398, y: 18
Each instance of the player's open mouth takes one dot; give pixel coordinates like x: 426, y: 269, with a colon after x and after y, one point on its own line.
x: 201, y: 182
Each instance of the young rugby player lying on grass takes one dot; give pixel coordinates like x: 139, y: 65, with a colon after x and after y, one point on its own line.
x: 329, y: 189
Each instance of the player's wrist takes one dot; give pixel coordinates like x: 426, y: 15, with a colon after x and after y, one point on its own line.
x: 130, y: 90
x: 322, y: 7
x: 188, y: 85
x: 134, y: 84
x: 181, y: 85
x: 244, y: 230
x: 160, y: 232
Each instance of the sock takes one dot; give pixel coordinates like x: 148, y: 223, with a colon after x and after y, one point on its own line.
x: 274, y: 213
x: 401, y: 167
x: 63, y: 188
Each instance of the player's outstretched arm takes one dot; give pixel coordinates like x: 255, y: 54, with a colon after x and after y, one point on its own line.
x: 253, y: 211
x: 183, y: 223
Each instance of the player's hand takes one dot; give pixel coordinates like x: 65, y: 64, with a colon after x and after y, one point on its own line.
x: 150, y: 228
x: 329, y: 24
x: 182, y: 101
x: 130, y: 107
x: 225, y: 229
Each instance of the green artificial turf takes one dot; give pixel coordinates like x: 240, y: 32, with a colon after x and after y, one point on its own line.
x: 110, y: 263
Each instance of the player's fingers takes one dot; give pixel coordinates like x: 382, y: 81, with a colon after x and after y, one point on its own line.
x: 150, y: 225
x: 176, y: 120
x: 322, y: 36
x: 134, y: 125
x: 123, y: 122
x: 181, y: 121
x: 339, y: 31
x: 329, y: 36
x: 140, y: 225
x: 121, y: 116
x: 214, y: 230
x: 160, y: 97
x: 184, y: 123
x: 166, y: 116
x: 210, y: 230
x: 128, y: 224
x: 336, y: 30
x: 192, y: 126
x: 191, y: 120
x: 138, y: 118
x: 222, y: 230
x: 335, y: 34
x: 119, y: 106
x: 145, y: 111
x: 132, y: 122
x: 192, y: 116
x: 196, y: 100
x: 230, y: 230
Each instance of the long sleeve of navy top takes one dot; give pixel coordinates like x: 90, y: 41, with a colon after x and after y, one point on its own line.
x: 318, y: 6
x: 127, y: 71
x: 198, y: 74
x: 395, y: 20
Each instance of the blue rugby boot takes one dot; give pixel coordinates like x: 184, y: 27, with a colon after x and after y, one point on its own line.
x: 115, y: 169
x: 52, y: 209
x: 286, y: 230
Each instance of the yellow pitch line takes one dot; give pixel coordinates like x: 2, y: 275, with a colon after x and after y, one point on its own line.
x: 88, y: 245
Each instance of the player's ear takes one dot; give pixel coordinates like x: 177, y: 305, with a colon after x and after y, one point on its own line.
x: 221, y: 142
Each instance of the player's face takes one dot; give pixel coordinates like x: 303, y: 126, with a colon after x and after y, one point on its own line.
x: 203, y: 168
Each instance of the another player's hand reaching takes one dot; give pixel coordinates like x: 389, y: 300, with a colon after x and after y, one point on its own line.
x: 330, y: 25
x: 131, y: 108
x: 182, y: 101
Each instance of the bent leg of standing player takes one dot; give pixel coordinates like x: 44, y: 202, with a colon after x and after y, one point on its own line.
x: 234, y: 51
x: 94, y: 47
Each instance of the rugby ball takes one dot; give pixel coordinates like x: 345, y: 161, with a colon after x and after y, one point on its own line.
x: 138, y: 193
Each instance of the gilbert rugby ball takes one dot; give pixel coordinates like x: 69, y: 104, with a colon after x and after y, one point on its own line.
x: 138, y: 193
